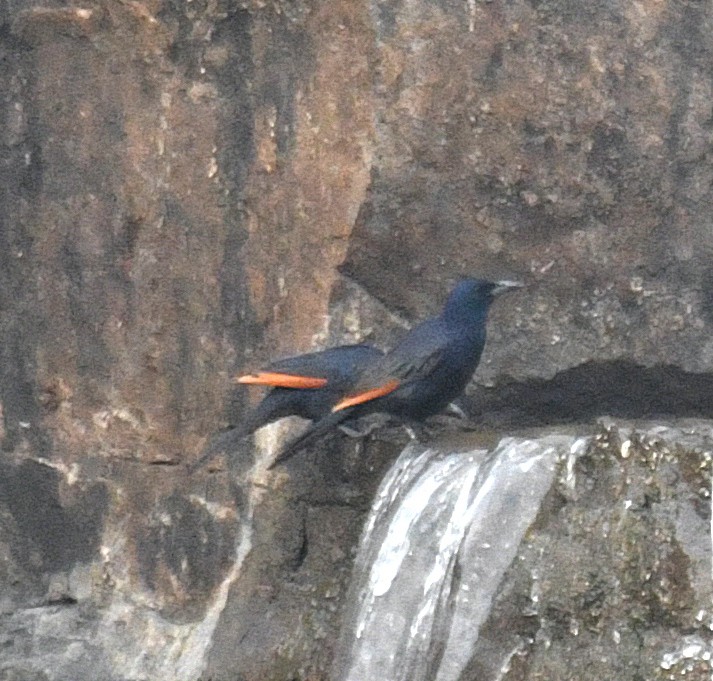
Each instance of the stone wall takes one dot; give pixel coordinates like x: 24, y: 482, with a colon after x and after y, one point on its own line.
x: 190, y: 188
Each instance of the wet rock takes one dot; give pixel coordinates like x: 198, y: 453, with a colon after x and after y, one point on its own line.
x: 613, y: 579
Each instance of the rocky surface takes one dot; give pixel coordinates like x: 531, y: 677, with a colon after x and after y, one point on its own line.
x: 547, y: 555
x: 189, y: 188
x: 613, y: 579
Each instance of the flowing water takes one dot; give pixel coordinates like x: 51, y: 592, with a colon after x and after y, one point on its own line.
x: 442, y: 532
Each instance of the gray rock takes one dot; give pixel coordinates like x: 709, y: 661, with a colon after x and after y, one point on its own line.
x: 188, y: 189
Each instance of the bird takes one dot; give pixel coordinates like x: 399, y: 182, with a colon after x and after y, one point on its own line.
x: 306, y: 385
x: 428, y: 368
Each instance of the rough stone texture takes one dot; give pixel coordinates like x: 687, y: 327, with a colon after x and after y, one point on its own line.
x: 614, y: 578
x: 188, y: 188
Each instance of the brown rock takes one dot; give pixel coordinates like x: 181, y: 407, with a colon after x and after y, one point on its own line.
x: 187, y: 189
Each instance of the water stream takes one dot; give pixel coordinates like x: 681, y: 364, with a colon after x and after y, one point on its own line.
x: 442, y: 531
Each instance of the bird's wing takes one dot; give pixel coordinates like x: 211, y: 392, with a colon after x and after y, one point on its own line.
x: 418, y: 354
x: 302, y: 371
x: 314, y: 369
x: 278, y: 379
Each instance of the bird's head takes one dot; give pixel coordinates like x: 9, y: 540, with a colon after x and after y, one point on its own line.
x: 471, y: 298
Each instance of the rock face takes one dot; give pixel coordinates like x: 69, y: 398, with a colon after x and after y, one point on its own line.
x: 554, y: 556
x: 187, y: 189
x: 613, y: 579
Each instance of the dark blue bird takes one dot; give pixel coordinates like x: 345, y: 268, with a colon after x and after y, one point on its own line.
x: 428, y: 368
x: 308, y: 385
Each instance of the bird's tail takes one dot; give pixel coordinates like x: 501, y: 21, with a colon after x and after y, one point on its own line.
x: 315, y: 431
x: 223, y: 442
x: 265, y: 412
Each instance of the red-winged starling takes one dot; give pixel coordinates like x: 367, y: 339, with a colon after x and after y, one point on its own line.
x: 307, y: 385
x: 425, y: 371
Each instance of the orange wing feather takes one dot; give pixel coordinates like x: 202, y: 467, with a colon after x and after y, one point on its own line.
x: 279, y: 380
x: 367, y: 395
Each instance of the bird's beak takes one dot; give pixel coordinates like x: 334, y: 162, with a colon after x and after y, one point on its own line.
x: 505, y: 286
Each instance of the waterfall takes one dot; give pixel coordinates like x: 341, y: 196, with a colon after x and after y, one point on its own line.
x: 443, y: 529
